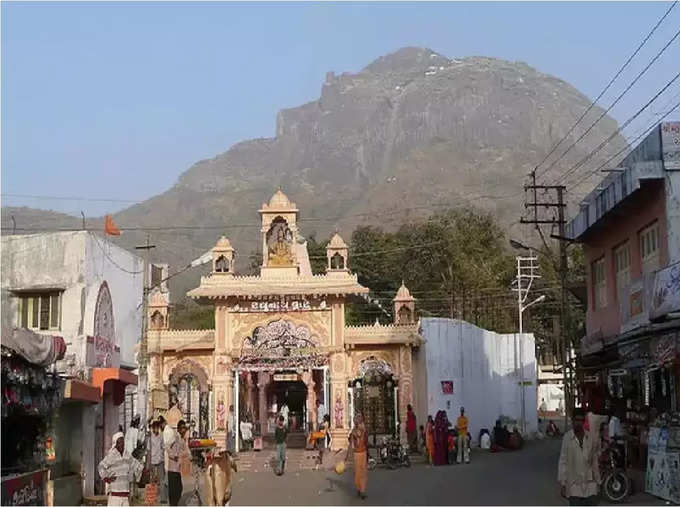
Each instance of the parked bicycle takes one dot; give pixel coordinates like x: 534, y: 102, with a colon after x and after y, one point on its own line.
x: 389, y: 453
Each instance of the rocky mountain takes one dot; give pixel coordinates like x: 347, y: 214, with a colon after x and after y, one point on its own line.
x: 412, y: 131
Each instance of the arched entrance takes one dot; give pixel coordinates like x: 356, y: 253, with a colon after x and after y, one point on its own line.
x: 189, y: 391
x: 373, y: 395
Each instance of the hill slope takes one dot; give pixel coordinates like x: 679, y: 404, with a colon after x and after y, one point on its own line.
x: 412, y: 131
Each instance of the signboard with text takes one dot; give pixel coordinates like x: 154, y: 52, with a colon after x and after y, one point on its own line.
x: 26, y: 489
x: 670, y: 145
x: 666, y: 293
x: 280, y: 305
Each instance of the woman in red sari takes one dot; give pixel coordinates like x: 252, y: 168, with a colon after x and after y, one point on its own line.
x: 441, y: 429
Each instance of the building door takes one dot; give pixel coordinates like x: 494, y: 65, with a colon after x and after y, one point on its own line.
x: 373, y: 397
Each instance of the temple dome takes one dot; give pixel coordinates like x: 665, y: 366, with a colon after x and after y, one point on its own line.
x: 403, y: 294
x: 336, y: 242
x: 279, y: 200
x: 223, y: 244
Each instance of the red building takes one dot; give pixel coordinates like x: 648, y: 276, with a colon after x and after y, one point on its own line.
x: 629, y: 227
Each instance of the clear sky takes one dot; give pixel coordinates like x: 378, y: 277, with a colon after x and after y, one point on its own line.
x: 116, y: 100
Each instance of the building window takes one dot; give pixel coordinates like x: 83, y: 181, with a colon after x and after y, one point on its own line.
x: 622, y: 265
x: 40, y: 311
x: 649, y: 248
x: 599, y: 274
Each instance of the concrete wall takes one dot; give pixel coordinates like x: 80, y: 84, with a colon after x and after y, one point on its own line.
x: 79, y: 262
x: 482, y: 366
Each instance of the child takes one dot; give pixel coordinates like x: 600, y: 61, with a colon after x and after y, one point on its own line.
x: 423, y: 447
x: 451, y: 444
x: 280, y: 435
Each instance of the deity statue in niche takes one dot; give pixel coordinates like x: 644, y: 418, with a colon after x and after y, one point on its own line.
x: 338, y: 411
x: 280, y: 244
x: 220, y: 412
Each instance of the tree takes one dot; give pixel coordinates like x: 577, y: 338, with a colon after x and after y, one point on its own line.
x: 455, y: 263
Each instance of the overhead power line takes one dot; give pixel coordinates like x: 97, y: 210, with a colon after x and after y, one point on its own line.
x: 585, y: 159
x: 611, y: 82
x: 640, y: 136
x: 64, y: 198
x: 616, y: 101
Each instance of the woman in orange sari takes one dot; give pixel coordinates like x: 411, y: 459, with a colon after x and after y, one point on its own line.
x: 358, y: 444
x: 429, y: 438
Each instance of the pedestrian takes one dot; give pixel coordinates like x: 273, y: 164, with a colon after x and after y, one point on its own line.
x: 358, y: 444
x: 451, y: 445
x: 118, y: 469
x: 421, y: 441
x: 169, y: 436
x: 285, y: 411
x: 280, y: 435
x: 177, y: 450
x: 231, y: 430
x: 132, y: 437
x: 429, y: 439
x: 578, y: 472
x: 158, y: 459
x: 463, y: 447
x: 544, y: 406
x: 441, y: 429
x: 320, y: 415
x: 411, y: 429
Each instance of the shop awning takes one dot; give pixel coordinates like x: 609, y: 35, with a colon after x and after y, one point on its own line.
x: 79, y: 391
x: 38, y: 349
x: 120, y: 379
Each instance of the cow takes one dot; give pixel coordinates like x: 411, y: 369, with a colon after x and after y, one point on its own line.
x: 218, y: 477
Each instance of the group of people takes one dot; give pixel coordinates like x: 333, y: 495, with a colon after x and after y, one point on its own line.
x: 444, y: 444
x: 505, y: 440
x: 121, y: 468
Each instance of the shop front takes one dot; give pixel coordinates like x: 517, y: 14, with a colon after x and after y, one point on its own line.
x: 32, y: 395
x: 637, y: 379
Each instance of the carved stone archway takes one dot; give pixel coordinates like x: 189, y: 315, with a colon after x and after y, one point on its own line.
x: 189, y: 391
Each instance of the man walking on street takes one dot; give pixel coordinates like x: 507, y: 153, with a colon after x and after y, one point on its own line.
x: 578, y: 472
x: 158, y: 459
x: 411, y: 430
x: 169, y: 436
x: 178, y: 449
x: 463, y: 444
x: 280, y: 435
x: 118, y: 469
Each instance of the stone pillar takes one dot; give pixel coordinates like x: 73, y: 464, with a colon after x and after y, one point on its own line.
x: 338, y: 407
x: 405, y: 387
x: 250, y: 405
x: 308, y: 379
x: 263, y: 379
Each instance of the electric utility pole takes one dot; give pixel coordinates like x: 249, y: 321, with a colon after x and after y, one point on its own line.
x: 526, y: 274
x: 551, y: 199
x: 143, y: 345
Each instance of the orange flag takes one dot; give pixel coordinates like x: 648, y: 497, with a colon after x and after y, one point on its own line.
x: 110, y: 228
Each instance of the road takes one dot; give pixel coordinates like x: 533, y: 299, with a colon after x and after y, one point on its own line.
x: 526, y: 477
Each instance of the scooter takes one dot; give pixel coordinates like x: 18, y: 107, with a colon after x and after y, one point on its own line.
x: 616, y: 485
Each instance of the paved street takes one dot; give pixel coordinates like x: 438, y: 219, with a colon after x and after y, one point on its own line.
x: 520, y: 478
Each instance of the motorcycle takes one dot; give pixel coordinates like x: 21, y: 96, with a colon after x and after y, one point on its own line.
x: 616, y: 485
x: 391, y: 454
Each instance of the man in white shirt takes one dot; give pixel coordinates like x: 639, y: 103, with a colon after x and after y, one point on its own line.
x: 231, y: 430
x: 578, y: 471
x: 169, y: 436
x: 118, y: 469
x: 284, y: 413
x: 320, y: 414
x: 132, y: 437
x: 177, y: 450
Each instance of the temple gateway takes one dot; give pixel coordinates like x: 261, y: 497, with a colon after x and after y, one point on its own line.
x: 280, y: 337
